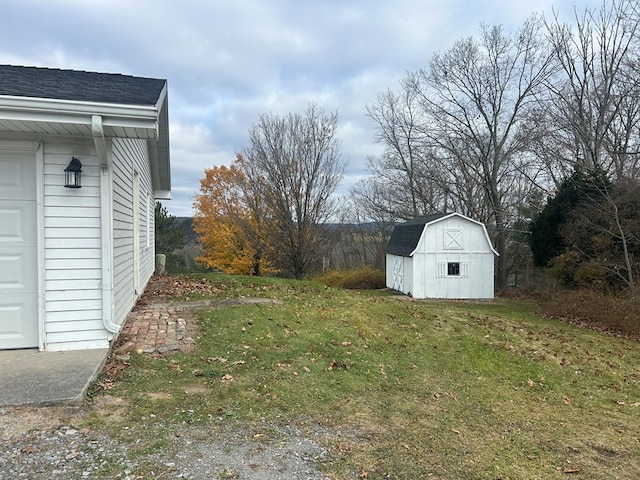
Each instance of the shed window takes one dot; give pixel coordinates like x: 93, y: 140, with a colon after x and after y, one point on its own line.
x: 453, y: 268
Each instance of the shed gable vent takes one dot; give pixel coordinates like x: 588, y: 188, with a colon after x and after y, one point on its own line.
x: 453, y: 239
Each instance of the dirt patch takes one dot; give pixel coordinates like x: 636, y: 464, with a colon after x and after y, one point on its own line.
x: 20, y: 421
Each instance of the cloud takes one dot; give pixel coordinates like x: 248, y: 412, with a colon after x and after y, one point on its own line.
x: 227, y: 62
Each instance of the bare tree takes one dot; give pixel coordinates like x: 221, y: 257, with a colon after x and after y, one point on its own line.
x: 596, y: 107
x: 596, y: 119
x: 370, y: 224
x: 478, y: 96
x: 406, y: 168
x: 294, y: 163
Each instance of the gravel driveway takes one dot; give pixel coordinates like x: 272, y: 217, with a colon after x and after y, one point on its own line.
x: 47, y: 443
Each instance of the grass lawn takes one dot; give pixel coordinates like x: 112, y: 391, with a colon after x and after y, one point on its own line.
x: 404, y: 389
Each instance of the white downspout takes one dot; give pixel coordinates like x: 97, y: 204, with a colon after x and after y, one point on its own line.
x: 106, y: 226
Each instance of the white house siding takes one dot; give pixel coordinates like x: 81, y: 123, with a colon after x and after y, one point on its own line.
x: 72, y: 250
x: 131, y: 156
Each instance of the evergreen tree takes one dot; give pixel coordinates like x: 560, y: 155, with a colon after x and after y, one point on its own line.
x: 546, y: 239
x: 168, y: 235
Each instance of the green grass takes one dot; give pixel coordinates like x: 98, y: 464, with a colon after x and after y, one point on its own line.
x: 404, y: 389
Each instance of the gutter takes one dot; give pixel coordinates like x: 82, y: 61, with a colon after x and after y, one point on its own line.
x: 106, y: 224
x: 28, y: 109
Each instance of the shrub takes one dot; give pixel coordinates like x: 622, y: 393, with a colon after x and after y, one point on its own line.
x: 361, y: 279
x: 564, y: 266
x: 596, y: 309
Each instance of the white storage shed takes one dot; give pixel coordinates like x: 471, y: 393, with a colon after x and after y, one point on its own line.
x: 441, y: 256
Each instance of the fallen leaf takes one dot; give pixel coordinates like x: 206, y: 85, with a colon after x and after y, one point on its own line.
x: 71, y: 455
x: 216, y: 359
x: 334, y: 365
x: 572, y: 470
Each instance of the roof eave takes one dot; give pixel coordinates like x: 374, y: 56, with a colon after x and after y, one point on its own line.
x: 159, y: 150
x: 150, y: 122
x: 31, y: 109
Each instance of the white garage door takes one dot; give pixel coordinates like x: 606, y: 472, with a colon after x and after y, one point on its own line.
x: 18, y: 253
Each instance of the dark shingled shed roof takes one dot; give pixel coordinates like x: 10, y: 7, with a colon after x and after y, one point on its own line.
x: 405, y: 236
x: 76, y: 85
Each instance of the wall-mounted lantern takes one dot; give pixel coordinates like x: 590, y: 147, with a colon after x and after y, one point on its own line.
x: 73, y: 174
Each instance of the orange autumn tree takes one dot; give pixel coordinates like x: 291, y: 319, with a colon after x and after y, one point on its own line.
x: 230, y: 228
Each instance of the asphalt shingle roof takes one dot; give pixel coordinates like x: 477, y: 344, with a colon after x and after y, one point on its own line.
x: 79, y: 85
x: 405, y: 236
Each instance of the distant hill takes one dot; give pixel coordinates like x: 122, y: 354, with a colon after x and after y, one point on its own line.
x: 345, y: 245
x: 191, y: 238
x: 186, y: 223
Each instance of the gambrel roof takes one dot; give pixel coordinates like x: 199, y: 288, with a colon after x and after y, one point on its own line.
x: 51, y: 101
x: 406, y: 236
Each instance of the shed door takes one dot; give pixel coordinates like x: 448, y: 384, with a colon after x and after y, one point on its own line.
x: 18, y: 252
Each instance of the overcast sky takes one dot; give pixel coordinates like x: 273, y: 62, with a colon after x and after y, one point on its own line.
x: 228, y: 61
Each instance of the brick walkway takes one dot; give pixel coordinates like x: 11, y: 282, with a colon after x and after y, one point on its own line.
x: 156, y: 327
x: 159, y: 328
